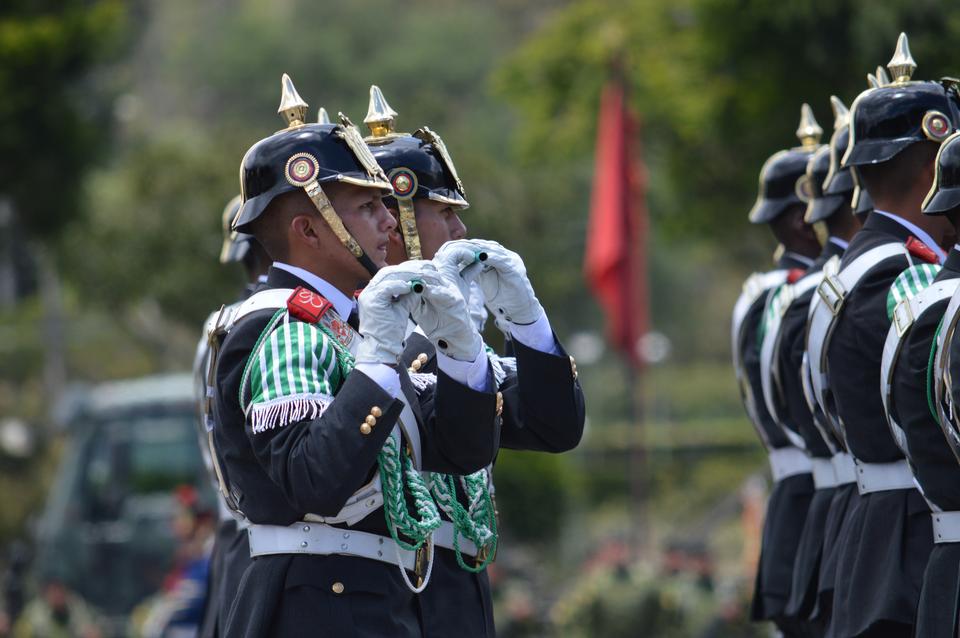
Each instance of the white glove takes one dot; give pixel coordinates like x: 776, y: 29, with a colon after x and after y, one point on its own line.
x: 475, y: 302
x: 384, y: 307
x: 501, y: 275
x: 445, y: 319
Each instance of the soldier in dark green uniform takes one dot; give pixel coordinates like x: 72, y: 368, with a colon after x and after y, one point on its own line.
x: 779, y: 204
x: 319, y: 433
x: 543, y: 406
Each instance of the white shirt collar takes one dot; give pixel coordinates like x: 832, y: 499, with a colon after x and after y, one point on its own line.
x: 262, y: 279
x: 806, y: 261
x: 341, y: 303
x: 921, y: 234
x: 842, y: 243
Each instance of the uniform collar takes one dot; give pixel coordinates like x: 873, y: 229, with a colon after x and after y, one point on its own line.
x: 916, y: 231
x: 952, y: 262
x: 341, y: 302
x: 793, y: 260
x: 842, y: 244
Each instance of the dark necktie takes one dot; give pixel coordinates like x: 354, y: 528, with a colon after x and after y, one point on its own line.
x: 354, y: 319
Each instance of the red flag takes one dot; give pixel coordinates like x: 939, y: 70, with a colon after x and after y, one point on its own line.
x: 614, y: 264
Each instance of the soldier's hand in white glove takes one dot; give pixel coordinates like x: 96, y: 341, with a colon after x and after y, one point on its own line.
x: 501, y: 274
x: 385, y: 306
x: 445, y: 319
x: 478, y: 311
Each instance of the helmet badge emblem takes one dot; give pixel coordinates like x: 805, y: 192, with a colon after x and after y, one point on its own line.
x: 404, y: 182
x: 301, y: 169
x: 936, y: 126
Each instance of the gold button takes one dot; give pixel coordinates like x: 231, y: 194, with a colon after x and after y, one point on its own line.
x: 415, y: 365
x: 377, y: 412
x: 365, y: 429
x: 573, y: 367
x: 423, y: 358
x: 337, y: 587
x: 370, y: 420
x: 499, y: 403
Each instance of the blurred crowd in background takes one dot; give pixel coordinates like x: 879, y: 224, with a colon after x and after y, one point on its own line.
x: 121, y: 130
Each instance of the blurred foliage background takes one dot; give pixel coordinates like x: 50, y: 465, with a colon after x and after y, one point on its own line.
x: 122, y: 125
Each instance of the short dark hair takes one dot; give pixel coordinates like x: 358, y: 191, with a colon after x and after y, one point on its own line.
x: 270, y: 229
x: 898, y: 174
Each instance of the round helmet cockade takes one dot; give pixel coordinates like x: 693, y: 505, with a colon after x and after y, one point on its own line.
x: 783, y: 178
x: 418, y: 166
x: 304, y: 157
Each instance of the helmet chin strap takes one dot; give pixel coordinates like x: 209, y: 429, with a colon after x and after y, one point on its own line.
x: 408, y: 228
x: 325, y: 208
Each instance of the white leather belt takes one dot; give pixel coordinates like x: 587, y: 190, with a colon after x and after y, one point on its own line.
x: 883, y: 477
x: 823, y: 475
x: 788, y: 461
x: 320, y: 539
x: 844, y: 468
x: 443, y: 537
x: 946, y: 527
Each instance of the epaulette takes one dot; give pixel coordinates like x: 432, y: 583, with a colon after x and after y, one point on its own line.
x: 921, y: 251
x: 307, y: 306
x: 794, y: 275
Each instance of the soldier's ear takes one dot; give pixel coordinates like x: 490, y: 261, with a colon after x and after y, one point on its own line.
x: 304, y: 229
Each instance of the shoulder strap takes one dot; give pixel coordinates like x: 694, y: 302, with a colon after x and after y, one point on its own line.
x: 778, y: 304
x: 904, y: 316
x: 755, y: 286
x: 826, y: 307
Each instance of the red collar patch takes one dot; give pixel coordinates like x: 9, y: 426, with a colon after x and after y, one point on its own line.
x: 921, y: 251
x: 794, y: 275
x: 307, y: 305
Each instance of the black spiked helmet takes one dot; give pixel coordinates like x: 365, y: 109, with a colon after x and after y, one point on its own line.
x: 783, y: 178
x: 418, y: 166
x: 889, y: 118
x: 830, y: 185
x: 944, y: 195
x: 235, y: 245
x: 306, y: 156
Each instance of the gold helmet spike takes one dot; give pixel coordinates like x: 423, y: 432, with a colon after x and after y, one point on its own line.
x: 380, y: 116
x: 292, y: 107
x: 872, y: 81
x: 882, y: 78
x: 809, y: 131
x: 323, y: 117
x: 841, y: 116
x: 902, y: 65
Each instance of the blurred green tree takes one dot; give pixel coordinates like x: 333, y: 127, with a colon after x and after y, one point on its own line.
x: 718, y: 84
x: 51, y: 127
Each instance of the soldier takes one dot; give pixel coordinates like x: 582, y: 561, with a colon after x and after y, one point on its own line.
x: 780, y: 206
x: 906, y: 380
x: 231, y: 553
x: 320, y: 436
x: 783, y: 347
x: 895, y: 131
x: 544, y: 411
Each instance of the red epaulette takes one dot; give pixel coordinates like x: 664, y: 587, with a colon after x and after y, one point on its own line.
x: 794, y: 275
x: 921, y: 251
x: 307, y: 305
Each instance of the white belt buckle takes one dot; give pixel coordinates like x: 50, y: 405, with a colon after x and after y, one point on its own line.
x: 902, y: 317
x: 832, y: 293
